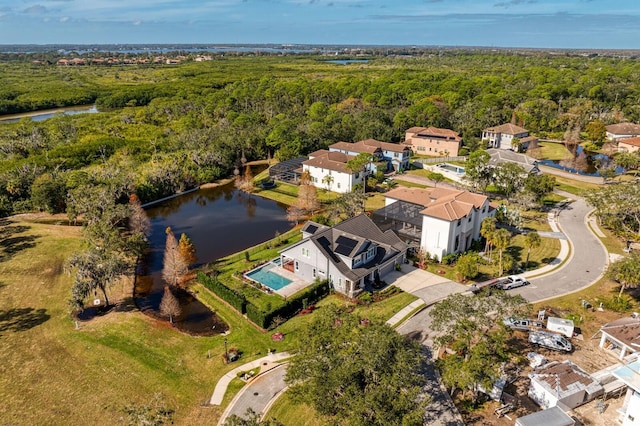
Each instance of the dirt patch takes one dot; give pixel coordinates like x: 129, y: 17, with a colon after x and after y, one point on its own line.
x: 586, y: 354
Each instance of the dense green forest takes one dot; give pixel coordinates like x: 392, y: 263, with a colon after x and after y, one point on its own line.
x: 165, y: 128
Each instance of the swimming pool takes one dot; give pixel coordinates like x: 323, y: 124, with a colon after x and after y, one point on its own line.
x: 264, y: 276
x: 451, y: 168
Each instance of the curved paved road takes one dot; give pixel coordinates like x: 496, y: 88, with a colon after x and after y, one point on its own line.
x: 587, y: 262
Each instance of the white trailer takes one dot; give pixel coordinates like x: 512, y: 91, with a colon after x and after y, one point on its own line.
x: 560, y: 325
x: 550, y: 341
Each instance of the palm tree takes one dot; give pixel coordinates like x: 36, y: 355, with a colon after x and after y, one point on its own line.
x: 502, y: 239
x: 328, y: 181
x: 531, y: 240
x: 487, y: 230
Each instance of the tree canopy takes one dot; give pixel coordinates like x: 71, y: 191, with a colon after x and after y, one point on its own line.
x: 358, y: 371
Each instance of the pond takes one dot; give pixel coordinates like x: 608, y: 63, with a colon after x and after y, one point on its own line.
x: 584, y: 163
x: 219, y: 221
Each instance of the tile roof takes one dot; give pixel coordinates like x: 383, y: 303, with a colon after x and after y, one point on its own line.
x: 336, y: 161
x: 624, y: 129
x: 508, y: 128
x: 565, y: 378
x: 625, y: 330
x: 440, y: 203
x: 369, y: 145
x: 435, y: 132
x: 630, y: 141
x: 354, y: 147
x: 353, y: 237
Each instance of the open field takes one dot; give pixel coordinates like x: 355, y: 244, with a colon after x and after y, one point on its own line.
x: 54, y: 374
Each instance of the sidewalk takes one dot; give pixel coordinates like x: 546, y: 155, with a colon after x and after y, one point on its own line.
x: 402, y: 313
x: 266, y: 363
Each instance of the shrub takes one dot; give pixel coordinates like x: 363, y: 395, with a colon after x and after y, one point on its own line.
x: 618, y: 303
x: 233, y: 298
x: 449, y: 259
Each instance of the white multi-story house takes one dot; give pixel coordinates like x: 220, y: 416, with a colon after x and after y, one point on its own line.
x: 329, y: 170
x: 441, y: 220
x: 353, y: 255
x: 392, y: 155
x: 502, y: 137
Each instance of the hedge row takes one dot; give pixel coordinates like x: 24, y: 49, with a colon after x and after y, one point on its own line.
x: 265, y: 319
x: 232, y: 297
x: 292, y: 306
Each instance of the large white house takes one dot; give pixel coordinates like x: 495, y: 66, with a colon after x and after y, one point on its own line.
x: 352, y: 255
x: 440, y: 220
x: 502, y: 137
x: 329, y: 170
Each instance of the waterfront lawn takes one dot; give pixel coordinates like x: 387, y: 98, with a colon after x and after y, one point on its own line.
x: 53, y: 374
x: 553, y: 151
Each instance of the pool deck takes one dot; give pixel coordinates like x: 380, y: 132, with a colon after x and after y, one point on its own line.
x: 296, y: 283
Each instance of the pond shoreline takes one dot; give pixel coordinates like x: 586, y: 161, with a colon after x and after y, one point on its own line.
x: 8, y: 118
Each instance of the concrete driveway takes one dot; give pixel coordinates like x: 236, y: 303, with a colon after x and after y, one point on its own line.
x: 411, y: 279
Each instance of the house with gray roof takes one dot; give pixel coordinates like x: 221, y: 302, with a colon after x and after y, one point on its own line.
x: 392, y: 155
x: 353, y: 255
x: 498, y: 156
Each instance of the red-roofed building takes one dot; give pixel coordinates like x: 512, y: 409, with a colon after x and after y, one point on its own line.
x: 629, y: 144
x: 440, y: 220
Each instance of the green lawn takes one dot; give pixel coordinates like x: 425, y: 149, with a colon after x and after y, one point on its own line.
x: 553, y: 151
x: 54, y: 374
x: 289, y: 413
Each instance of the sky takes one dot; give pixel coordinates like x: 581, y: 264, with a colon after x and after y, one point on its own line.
x: 581, y: 24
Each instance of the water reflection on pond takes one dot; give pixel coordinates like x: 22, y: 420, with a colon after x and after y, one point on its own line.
x: 219, y: 221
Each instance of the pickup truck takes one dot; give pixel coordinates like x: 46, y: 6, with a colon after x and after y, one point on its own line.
x: 550, y: 341
x: 512, y: 281
x: 522, y: 324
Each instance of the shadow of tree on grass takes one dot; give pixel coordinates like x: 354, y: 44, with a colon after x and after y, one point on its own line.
x: 22, y: 319
x: 12, y: 243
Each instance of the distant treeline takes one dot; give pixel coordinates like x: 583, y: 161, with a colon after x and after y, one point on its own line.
x: 163, y: 129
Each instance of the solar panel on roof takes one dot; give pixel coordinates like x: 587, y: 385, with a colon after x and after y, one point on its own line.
x: 312, y: 229
x: 345, y: 245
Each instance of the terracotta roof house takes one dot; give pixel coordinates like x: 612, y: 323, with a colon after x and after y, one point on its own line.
x: 498, y: 156
x: 503, y: 135
x: 438, y: 220
x: 563, y: 384
x: 629, y: 144
x: 622, y: 334
x: 395, y: 156
x: 433, y: 141
x: 615, y: 132
x: 328, y: 169
x: 353, y: 255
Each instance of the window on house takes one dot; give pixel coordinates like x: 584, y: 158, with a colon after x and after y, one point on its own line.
x: 297, y: 267
x: 358, y: 175
x: 459, y: 221
x: 469, y: 219
x: 338, y: 184
x: 457, y: 242
x: 314, y: 272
